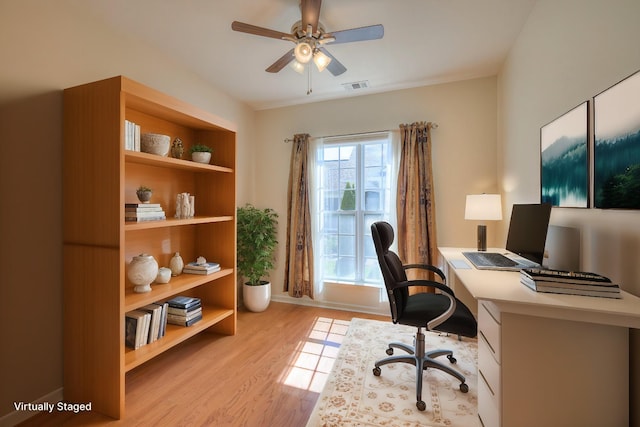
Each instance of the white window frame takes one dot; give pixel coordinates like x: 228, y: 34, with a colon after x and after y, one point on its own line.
x: 331, y: 289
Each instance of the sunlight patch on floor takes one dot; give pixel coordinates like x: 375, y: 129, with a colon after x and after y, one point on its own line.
x: 316, y: 355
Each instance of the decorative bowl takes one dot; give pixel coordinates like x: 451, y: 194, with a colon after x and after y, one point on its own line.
x: 155, y: 143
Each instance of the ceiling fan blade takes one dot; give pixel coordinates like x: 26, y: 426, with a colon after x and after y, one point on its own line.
x: 281, y: 63
x: 310, y: 14
x: 335, y: 67
x: 258, y: 31
x: 371, y: 32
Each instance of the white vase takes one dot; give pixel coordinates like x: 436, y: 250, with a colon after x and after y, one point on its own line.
x: 143, y: 269
x: 164, y: 275
x: 176, y: 264
x: 256, y: 298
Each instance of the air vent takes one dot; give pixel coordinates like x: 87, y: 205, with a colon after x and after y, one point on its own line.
x: 364, y: 84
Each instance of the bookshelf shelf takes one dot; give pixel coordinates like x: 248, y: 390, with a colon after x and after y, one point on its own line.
x: 177, y: 286
x: 101, y: 176
x: 174, y: 222
x: 175, y: 335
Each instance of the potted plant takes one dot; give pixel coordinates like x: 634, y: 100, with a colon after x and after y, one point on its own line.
x: 257, y: 241
x: 201, y: 153
x: 144, y: 194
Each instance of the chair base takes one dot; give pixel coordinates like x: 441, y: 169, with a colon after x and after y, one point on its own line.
x: 422, y: 361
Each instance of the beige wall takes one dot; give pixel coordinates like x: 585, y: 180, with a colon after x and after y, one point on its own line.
x: 568, y: 52
x: 464, y: 156
x: 47, y: 46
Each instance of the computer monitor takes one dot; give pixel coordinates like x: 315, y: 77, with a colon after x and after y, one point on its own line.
x: 528, y: 230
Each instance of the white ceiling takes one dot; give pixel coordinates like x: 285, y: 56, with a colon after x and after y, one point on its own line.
x: 425, y: 42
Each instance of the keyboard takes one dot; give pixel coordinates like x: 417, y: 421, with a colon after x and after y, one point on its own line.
x: 489, y: 259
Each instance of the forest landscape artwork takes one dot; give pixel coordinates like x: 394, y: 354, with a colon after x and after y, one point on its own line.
x: 617, y: 146
x: 564, y: 171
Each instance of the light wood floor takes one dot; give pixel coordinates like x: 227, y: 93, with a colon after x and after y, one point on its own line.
x: 262, y: 376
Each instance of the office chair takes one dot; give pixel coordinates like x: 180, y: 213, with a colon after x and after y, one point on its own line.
x: 440, y: 311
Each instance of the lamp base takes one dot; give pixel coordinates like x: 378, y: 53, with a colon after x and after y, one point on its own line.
x: 482, y: 238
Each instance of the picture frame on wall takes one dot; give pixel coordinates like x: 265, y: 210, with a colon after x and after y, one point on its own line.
x: 564, y: 159
x: 617, y: 145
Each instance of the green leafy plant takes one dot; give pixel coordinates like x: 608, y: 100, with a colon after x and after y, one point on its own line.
x: 142, y: 189
x: 200, y: 148
x: 257, y: 241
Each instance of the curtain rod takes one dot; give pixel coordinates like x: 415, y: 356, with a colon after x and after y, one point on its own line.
x: 288, y: 140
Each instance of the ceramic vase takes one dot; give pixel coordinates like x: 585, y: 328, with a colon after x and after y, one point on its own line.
x: 176, y: 264
x: 143, y: 270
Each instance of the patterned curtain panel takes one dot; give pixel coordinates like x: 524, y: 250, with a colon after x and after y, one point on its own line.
x: 416, y: 236
x: 298, y: 280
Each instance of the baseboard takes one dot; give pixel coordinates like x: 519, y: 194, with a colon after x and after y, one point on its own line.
x: 16, y: 417
x: 325, y: 304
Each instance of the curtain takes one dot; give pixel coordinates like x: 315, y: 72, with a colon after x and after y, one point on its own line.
x: 298, y: 280
x: 415, y: 204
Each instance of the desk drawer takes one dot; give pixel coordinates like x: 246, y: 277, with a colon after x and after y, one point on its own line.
x: 488, y: 408
x: 489, y: 328
x: 489, y: 369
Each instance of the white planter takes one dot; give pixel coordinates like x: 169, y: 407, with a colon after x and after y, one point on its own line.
x: 256, y: 298
x: 201, y: 157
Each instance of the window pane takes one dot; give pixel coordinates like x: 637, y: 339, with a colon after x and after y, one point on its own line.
x: 346, y: 245
x: 346, y: 268
x: 372, y: 271
x: 372, y: 201
x: 347, y: 224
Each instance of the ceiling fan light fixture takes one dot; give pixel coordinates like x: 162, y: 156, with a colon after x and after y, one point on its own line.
x: 321, y: 60
x: 297, y: 67
x: 303, y: 52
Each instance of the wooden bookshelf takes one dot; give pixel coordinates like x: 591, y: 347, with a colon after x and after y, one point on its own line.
x: 99, y: 177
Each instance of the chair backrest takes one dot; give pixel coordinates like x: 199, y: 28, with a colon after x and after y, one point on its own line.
x: 391, y: 267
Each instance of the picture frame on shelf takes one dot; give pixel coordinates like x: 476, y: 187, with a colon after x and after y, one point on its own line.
x: 564, y: 159
x: 616, y: 148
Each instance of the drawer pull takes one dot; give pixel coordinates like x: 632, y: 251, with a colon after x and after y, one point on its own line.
x: 487, y: 342
x: 486, y: 382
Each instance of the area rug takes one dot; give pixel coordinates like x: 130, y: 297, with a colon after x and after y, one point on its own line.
x: 353, y: 396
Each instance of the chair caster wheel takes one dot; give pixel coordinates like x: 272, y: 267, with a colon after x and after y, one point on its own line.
x: 390, y: 351
x: 421, y: 405
x: 377, y: 371
x: 464, y: 388
x: 452, y: 359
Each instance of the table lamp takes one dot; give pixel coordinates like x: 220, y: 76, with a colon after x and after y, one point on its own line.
x: 483, y: 207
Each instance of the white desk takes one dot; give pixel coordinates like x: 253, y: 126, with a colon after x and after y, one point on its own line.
x: 545, y: 359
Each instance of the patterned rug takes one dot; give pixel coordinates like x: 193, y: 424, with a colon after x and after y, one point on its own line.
x: 353, y: 396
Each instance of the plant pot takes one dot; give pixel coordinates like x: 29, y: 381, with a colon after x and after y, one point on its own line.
x: 144, y: 196
x: 201, y: 157
x: 257, y: 297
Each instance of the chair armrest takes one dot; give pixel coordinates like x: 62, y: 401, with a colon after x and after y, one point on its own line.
x: 420, y: 282
x: 427, y: 267
x: 447, y: 291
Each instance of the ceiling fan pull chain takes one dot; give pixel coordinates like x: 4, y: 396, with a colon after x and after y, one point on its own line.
x: 309, y: 89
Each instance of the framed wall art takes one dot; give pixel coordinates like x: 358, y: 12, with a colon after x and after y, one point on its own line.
x: 564, y: 159
x: 617, y: 145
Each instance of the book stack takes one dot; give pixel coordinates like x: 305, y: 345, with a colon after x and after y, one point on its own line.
x: 137, y: 212
x: 201, y: 268
x: 184, y: 311
x: 569, y: 282
x: 145, y: 325
x: 131, y: 136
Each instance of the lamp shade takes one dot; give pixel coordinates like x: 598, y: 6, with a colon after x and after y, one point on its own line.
x: 321, y: 60
x: 483, y: 207
x: 303, y: 52
x: 298, y: 67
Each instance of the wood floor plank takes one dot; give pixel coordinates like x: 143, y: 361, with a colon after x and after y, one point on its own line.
x: 262, y: 376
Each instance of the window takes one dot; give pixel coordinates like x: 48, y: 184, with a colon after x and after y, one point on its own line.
x: 353, y: 182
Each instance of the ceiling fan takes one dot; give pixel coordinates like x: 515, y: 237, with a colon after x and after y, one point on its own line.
x: 309, y: 37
